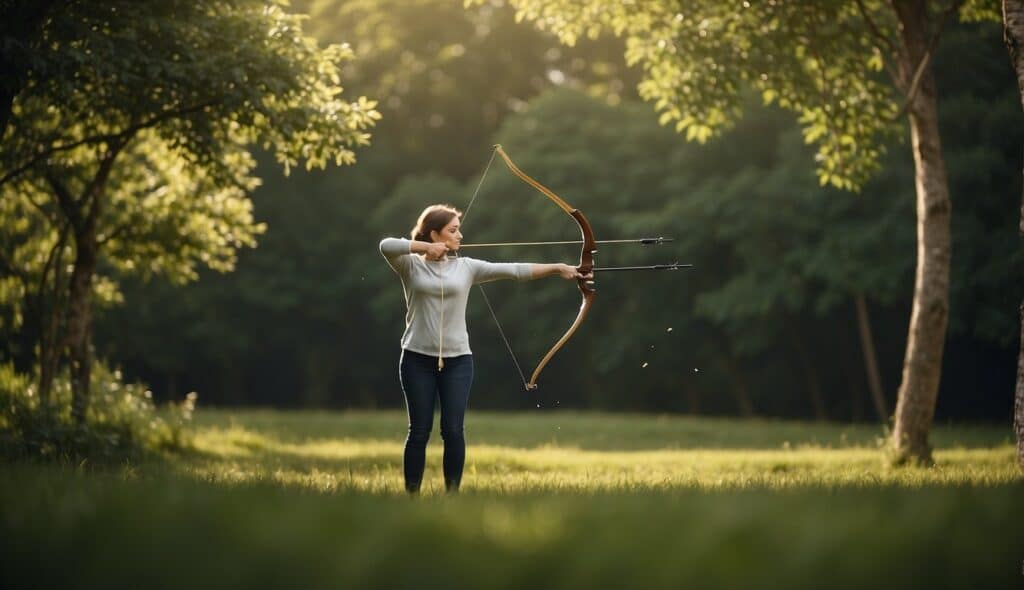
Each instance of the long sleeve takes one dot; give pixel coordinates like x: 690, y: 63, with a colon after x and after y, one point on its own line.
x: 397, y: 252
x: 484, y: 272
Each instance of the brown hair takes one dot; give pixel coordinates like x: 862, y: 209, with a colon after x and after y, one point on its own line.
x: 433, y: 218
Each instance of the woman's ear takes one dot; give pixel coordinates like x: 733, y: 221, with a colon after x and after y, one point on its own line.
x: 434, y: 235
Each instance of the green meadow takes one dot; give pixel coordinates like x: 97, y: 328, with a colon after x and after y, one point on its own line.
x: 552, y: 498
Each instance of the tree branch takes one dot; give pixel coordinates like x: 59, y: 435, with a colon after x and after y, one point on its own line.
x: 875, y: 31
x: 42, y: 210
x: 915, y: 82
x: 99, y: 181
x: 112, y: 235
x: 106, y: 137
x: 54, y: 255
x: 68, y: 204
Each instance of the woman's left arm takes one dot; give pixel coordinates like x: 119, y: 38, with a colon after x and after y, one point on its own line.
x: 566, y: 271
x: 484, y: 272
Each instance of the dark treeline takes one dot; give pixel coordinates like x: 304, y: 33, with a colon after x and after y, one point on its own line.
x: 791, y: 278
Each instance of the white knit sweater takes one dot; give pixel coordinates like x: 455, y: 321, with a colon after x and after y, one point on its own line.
x: 431, y: 327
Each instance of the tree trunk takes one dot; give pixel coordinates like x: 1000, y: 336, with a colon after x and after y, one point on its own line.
x: 1013, y: 34
x: 867, y: 345
x: 50, y: 306
x: 80, y: 323
x: 83, y: 214
x: 49, y: 352
x: 922, y: 365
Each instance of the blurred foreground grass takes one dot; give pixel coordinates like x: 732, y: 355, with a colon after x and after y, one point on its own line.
x: 304, y: 499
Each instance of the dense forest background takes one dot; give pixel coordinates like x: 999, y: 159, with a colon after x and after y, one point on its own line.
x: 770, y: 322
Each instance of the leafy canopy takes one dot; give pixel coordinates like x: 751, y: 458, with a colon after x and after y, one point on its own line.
x: 816, y: 59
x: 174, y: 94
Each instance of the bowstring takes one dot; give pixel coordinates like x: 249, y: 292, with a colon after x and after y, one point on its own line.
x: 487, y: 301
x: 522, y: 376
x: 494, y: 152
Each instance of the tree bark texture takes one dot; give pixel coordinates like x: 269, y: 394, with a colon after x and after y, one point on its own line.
x: 80, y: 323
x: 922, y: 364
x: 1013, y: 35
x: 867, y: 345
x: 83, y: 213
x: 50, y: 313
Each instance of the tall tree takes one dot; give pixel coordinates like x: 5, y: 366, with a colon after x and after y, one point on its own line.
x: 135, y: 150
x: 1013, y: 34
x: 819, y: 60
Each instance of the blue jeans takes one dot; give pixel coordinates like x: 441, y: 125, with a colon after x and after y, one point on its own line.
x: 422, y: 383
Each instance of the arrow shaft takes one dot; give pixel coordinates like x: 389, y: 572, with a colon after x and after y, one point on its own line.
x: 652, y: 267
x: 644, y: 241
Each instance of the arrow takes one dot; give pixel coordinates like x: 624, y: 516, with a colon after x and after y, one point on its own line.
x: 675, y: 266
x: 644, y: 241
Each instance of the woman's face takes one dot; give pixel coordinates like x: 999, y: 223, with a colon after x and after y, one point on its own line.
x: 449, y: 234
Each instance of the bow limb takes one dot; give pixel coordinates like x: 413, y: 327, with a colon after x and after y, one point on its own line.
x: 588, y: 299
x: 585, y: 267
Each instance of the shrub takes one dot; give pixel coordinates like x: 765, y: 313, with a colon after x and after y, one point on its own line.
x: 122, y: 422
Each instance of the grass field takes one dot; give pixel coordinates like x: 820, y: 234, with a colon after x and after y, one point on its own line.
x: 549, y: 499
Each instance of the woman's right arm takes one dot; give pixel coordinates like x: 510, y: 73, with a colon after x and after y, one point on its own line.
x: 394, y: 247
x: 398, y: 250
x: 433, y: 250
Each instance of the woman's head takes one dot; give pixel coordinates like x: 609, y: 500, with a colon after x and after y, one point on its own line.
x: 439, y: 223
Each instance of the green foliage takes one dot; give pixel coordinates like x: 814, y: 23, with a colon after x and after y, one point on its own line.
x: 817, y: 60
x: 122, y: 424
x: 207, y: 76
x: 981, y: 11
x: 215, y: 79
x: 446, y: 77
x: 163, y: 218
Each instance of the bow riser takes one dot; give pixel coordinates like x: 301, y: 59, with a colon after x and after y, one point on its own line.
x: 587, y: 252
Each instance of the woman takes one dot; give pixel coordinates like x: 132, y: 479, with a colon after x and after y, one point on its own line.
x: 436, y: 359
